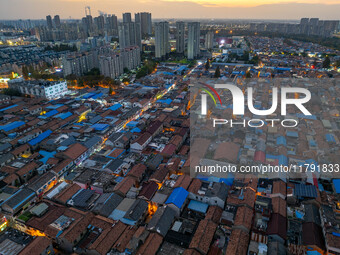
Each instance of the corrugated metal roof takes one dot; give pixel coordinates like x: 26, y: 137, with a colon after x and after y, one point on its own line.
x: 63, y: 115
x: 336, y: 183
x: 9, y: 107
x: 198, y: 206
x: 177, y: 197
x: 12, y: 126
x: 40, y: 138
x: 49, y: 114
x: 303, y: 190
x: 115, y: 107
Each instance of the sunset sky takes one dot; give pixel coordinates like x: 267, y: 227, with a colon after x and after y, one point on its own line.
x: 227, y: 9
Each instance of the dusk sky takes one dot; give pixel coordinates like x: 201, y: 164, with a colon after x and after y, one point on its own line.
x: 227, y: 9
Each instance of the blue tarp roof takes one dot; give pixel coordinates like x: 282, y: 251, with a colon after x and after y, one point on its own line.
x: 330, y: 138
x: 56, y: 106
x: 117, y: 214
x: 303, y: 190
x: 167, y: 73
x: 49, y: 114
x: 165, y: 101
x: 132, y: 124
x: 46, y: 155
x: 99, y: 127
x: 198, y: 206
x: 283, y: 68
x: 177, y: 197
x: 308, y: 162
x: 63, y: 115
x: 309, y: 117
x: 8, y: 107
x: 229, y: 180
x: 313, y: 253
x: 182, y: 68
x: 336, y: 183
x: 135, y: 130
x: 292, y: 134
x: 282, y: 159
x: 40, y: 137
x: 88, y: 95
x: 299, y: 215
x: 281, y: 140
x: 12, y: 126
x: 312, y: 143
x: 97, y: 95
x: 115, y: 107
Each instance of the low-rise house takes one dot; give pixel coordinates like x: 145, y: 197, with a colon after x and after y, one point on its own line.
x: 162, y: 220
x: 177, y: 199
x: 43, y: 183
x: 141, y: 142
x: 214, y: 193
x: 18, y: 200
x: 62, y: 167
x: 40, y: 245
x: 136, y: 212
x: 76, y: 152
x: 137, y: 172
x: 203, y: 236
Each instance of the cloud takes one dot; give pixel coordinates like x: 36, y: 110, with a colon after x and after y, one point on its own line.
x: 38, y: 9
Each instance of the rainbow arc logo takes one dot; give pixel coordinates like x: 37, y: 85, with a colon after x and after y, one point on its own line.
x: 210, y: 94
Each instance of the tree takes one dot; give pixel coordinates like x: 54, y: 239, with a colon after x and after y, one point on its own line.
x: 207, y: 65
x: 337, y: 64
x: 255, y: 60
x: 126, y: 80
x: 11, y: 92
x: 25, y: 72
x: 326, y: 63
x: 217, y: 72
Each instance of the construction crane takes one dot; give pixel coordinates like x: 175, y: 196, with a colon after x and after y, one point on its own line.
x: 87, y: 9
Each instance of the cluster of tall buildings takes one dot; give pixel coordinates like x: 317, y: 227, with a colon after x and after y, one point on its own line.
x: 162, y: 46
x: 307, y: 26
x: 110, y: 62
x: 130, y: 32
x: 53, y: 24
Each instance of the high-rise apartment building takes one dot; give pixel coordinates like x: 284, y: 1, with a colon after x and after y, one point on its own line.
x: 112, y: 63
x: 180, y: 37
x: 161, y: 39
x: 193, y: 40
x: 209, y: 40
x: 127, y: 35
x: 127, y: 17
x: 130, y: 33
x: 146, y: 23
x: 56, y: 20
x: 112, y: 25
x: 49, y: 22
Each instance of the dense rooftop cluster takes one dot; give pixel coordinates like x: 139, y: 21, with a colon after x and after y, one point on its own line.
x: 108, y: 172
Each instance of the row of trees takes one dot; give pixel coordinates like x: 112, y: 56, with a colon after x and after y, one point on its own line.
x: 38, y: 73
x: 92, y: 78
x: 147, y: 68
x: 61, y: 47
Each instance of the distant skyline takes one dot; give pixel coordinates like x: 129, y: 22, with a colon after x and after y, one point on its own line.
x: 219, y: 9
